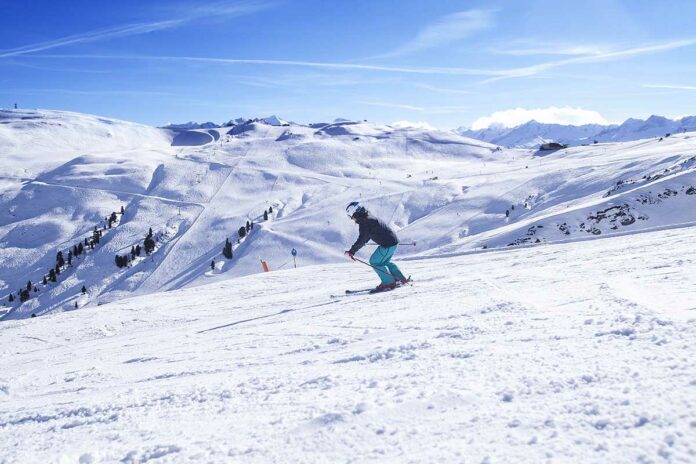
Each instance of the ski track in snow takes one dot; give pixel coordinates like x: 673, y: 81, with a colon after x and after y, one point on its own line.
x: 579, y: 352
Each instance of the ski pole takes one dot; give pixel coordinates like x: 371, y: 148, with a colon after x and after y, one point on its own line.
x: 401, y: 244
x: 376, y: 268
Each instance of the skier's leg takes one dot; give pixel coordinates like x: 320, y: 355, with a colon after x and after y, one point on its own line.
x: 377, y: 260
x: 393, y: 269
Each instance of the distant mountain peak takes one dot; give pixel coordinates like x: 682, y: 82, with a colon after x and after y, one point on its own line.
x: 274, y: 121
x: 532, y: 133
x: 191, y: 125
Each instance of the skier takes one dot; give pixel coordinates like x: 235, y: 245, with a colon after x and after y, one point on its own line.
x: 372, y: 228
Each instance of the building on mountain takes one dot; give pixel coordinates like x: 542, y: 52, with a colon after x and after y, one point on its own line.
x: 552, y: 146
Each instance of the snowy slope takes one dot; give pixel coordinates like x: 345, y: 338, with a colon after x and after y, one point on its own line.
x: 195, y: 188
x: 580, y: 352
x: 35, y: 140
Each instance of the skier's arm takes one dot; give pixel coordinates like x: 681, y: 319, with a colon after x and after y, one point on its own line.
x: 363, y: 238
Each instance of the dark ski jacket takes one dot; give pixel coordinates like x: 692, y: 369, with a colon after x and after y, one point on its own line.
x: 376, y: 230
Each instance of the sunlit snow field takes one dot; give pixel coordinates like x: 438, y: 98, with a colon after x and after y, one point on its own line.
x: 552, y: 315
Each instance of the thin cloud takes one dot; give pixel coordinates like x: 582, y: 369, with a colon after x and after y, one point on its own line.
x: 669, y: 86
x: 446, y: 109
x: 571, y: 50
x: 446, y: 30
x: 137, y: 28
x: 99, y: 93
x: 60, y: 69
x: 443, y: 89
x: 597, y: 58
x: 427, y: 110
x: 307, y: 64
x: 392, y: 105
x: 493, y: 74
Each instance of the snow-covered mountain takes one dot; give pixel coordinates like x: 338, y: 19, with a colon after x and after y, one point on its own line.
x: 196, y: 188
x: 532, y: 134
x: 191, y: 125
x: 553, y: 297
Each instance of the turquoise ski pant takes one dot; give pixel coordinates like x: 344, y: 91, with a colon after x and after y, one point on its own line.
x: 381, y: 261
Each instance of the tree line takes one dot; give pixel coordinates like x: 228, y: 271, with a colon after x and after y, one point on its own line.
x: 242, y: 232
x: 64, y: 259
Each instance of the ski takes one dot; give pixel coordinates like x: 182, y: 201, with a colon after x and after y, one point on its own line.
x: 372, y: 291
x: 363, y: 291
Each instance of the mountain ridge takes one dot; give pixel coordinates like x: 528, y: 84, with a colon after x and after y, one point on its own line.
x: 533, y: 133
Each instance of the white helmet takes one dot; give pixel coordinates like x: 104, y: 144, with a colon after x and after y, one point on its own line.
x: 354, y: 208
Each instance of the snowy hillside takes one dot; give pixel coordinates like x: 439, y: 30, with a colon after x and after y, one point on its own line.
x: 532, y: 134
x: 579, y: 352
x: 552, y: 302
x: 195, y: 188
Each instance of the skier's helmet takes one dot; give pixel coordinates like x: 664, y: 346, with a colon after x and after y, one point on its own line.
x: 354, y: 209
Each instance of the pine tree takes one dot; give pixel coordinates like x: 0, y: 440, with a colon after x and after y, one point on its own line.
x: 80, y: 248
x: 75, y: 251
x: 270, y: 209
x: 29, y: 286
x: 265, y: 215
x: 212, y: 265
x: 60, y: 261
x: 24, y: 295
x: 45, y: 281
x: 227, y: 250
x: 137, y: 250
x: 52, y: 275
x: 86, y: 241
x: 132, y: 253
x: 242, y: 232
x: 11, y: 298
x: 36, y: 289
x: 57, y: 270
x: 76, y: 305
x: 507, y: 213
x: 84, y: 289
x: 248, y: 226
x: 149, y: 244
x: 252, y: 225
x: 70, y: 256
x: 149, y: 234
x: 123, y: 210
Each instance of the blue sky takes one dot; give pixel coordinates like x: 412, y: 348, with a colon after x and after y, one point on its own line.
x: 446, y: 63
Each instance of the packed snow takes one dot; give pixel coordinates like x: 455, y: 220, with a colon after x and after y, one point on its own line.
x: 578, y: 352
